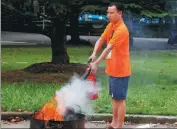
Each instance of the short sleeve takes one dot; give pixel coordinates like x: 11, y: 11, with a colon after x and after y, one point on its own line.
x: 119, y: 37
x: 106, y: 32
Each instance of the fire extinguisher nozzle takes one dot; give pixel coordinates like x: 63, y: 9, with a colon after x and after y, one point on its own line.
x: 86, y: 74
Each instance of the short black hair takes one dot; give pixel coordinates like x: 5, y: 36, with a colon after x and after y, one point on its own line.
x: 119, y: 6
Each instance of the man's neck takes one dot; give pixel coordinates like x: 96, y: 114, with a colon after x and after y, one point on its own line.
x: 117, y: 22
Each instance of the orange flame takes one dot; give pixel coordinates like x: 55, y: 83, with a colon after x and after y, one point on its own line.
x: 50, y: 112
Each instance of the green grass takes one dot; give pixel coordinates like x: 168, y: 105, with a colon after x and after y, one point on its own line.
x: 26, y: 96
x: 143, y: 98
x: 18, y: 58
x: 152, y: 89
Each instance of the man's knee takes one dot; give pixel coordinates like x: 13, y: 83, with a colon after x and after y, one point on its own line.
x: 120, y: 101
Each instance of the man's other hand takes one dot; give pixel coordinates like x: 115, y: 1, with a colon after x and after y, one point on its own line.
x: 94, y: 67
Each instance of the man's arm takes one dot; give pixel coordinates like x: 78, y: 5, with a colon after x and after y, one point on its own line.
x: 100, y: 41
x: 117, y: 39
x: 104, y: 54
x: 98, y: 46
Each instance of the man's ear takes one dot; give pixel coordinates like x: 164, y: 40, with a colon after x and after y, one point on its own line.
x: 121, y: 13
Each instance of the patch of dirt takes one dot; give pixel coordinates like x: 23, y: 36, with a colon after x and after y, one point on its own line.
x: 45, y: 73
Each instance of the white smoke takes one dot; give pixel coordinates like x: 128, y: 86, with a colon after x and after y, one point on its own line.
x: 75, y: 95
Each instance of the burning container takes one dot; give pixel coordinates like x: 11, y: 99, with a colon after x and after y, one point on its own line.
x: 51, y: 118
x: 77, y: 123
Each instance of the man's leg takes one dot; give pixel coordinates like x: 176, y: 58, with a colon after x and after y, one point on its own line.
x: 115, y: 106
x: 119, y: 111
x: 118, y: 91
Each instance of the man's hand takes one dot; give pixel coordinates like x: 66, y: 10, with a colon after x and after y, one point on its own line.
x: 92, y: 58
x: 94, y: 67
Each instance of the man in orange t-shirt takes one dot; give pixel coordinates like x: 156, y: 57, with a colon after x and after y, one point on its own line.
x: 117, y: 61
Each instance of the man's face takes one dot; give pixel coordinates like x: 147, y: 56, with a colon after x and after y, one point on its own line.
x: 113, y: 14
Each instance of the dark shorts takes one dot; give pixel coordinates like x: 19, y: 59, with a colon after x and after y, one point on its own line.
x: 118, y: 87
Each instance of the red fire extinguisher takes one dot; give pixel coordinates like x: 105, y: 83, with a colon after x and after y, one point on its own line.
x: 89, y: 76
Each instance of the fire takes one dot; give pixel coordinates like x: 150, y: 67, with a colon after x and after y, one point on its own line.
x: 58, y: 110
x: 50, y: 112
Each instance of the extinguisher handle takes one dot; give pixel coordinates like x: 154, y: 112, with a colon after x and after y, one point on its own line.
x: 86, y: 74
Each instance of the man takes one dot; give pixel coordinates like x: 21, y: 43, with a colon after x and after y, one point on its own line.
x: 117, y: 61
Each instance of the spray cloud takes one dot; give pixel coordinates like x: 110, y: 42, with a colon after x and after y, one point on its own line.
x: 75, y: 95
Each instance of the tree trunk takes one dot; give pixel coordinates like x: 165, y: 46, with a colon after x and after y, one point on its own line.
x: 161, y: 31
x: 75, y: 39
x: 31, y: 5
x: 58, y: 43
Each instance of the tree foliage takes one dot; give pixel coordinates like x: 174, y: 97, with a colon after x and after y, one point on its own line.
x: 171, y: 7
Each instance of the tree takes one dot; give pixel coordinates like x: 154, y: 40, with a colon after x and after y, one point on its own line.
x: 75, y: 7
x: 73, y: 14
x: 171, y: 8
x: 57, y: 13
x: 11, y: 17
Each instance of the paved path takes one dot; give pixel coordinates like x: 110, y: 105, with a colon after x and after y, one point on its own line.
x: 18, y: 38
x: 90, y: 124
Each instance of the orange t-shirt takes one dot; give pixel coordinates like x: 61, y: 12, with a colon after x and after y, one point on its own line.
x: 118, y: 60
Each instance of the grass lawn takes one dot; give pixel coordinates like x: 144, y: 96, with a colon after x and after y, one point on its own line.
x: 152, y: 89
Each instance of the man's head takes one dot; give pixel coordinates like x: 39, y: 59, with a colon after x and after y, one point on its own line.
x: 115, y: 11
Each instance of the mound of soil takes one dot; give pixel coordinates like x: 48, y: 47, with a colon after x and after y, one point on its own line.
x: 45, y: 72
x: 48, y: 67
